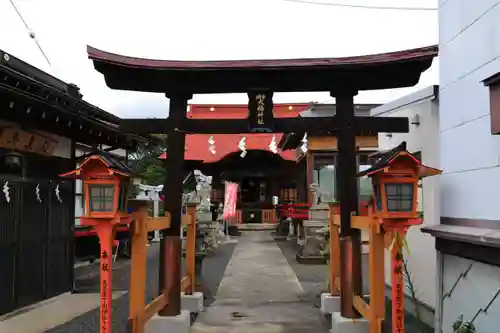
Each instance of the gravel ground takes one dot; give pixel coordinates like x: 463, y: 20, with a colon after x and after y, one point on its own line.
x: 87, y: 280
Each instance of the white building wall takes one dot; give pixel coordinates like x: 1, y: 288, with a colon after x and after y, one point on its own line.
x: 469, y: 51
x: 470, y: 156
x: 422, y: 138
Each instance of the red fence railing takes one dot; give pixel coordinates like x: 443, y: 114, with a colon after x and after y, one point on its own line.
x: 301, y: 211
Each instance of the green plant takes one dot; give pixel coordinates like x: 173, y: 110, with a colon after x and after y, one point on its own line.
x: 145, y: 161
x: 461, y: 326
x: 410, y: 286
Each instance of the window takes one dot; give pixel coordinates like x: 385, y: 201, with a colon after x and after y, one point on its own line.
x: 122, y: 200
x: 288, y: 194
x: 79, y: 201
x: 324, y: 175
x: 378, y: 197
x: 365, y: 183
x: 420, y: 191
x: 101, y: 198
x: 493, y: 83
x: 399, y: 197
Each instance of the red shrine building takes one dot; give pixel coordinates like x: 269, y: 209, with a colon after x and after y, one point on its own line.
x: 261, y: 173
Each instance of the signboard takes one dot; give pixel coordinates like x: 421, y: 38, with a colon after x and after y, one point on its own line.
x: 230, y: 200
x: 260, y: 111
x: 20, y: 140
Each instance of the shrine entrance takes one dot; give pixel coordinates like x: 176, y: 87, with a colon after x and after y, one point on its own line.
x: 260, y: 175
x: 260, y: 79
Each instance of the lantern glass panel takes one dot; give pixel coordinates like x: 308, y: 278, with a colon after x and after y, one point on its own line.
x: 122, y: 200
x: 378, y: 197
x: 399, y: 197
x: 101, y: 198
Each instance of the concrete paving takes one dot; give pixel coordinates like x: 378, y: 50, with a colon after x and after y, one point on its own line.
x: 52, y: 313
x: 259, y: 293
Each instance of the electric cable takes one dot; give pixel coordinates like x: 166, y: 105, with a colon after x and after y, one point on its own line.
x: 335, y: 4
x: 31, y: 33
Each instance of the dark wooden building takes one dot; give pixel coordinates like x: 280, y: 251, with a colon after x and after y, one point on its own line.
x: 41, y: 120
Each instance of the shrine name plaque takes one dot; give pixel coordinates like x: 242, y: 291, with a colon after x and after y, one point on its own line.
x: 260, y: 111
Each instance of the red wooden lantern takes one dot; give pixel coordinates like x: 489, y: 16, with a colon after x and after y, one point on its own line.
x: 395, y: 175
x: 106, y: 184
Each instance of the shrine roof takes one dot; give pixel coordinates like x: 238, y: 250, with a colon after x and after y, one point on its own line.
x: 109, y: 161
x: 384, y: 159
x: 240, y: 111
x: 366, y: 72
x: 196, y: 146
x: 42, y: 101
x: 115, y: 163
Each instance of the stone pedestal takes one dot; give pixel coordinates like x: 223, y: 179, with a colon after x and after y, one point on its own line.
x: 329, y: 304
x: 347, y: 325
x: 193, y: 303
x: 176, y: 324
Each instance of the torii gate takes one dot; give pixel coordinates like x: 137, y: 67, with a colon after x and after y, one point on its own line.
x: 151, y: 192
x: 260, y: 79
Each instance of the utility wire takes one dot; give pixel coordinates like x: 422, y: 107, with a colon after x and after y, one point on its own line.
x: 334, y: 4
x: 31, y: 33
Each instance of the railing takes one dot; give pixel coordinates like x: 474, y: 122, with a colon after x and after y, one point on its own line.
x: 374, y: 310
x: 268, y: 216
x: 235, y: 219
x: 298, y: 211
x: 139, y: 311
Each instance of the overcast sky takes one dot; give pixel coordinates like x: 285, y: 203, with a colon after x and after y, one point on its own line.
x: 208, y: 30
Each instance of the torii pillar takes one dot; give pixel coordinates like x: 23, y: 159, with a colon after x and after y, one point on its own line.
x: 171, y: 244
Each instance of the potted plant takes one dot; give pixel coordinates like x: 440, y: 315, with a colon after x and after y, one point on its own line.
x: 462, y: 326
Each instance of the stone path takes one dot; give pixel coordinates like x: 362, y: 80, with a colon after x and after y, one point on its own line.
x: 259, y: 293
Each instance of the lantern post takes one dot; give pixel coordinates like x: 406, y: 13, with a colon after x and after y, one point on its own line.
x: 395, y: 175
x: 106, y: 185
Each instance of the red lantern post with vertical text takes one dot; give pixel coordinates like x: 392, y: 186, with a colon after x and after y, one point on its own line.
x: 106, y: 183
x: 395, y: 175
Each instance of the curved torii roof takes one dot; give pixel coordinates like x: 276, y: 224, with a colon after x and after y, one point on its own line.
x: 368, y: 72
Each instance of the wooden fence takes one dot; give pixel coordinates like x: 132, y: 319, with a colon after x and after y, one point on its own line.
x: 140, y: 312
x: 374, y: 310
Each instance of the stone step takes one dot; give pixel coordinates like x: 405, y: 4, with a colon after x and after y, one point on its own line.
x: 256, y: 226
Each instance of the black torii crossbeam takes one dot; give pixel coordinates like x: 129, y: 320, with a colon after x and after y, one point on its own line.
x: 310, y: 125
x: 260, y: 79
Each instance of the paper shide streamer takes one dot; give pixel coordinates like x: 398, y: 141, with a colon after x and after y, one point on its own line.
x: 37, y: 193
x: 58, y: 193
x: 211, y: 146
x: 273, y: 146
x: 242, y: 146
x: 6, y: 191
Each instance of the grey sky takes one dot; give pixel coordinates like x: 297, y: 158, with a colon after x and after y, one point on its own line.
x: 208, y: 30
